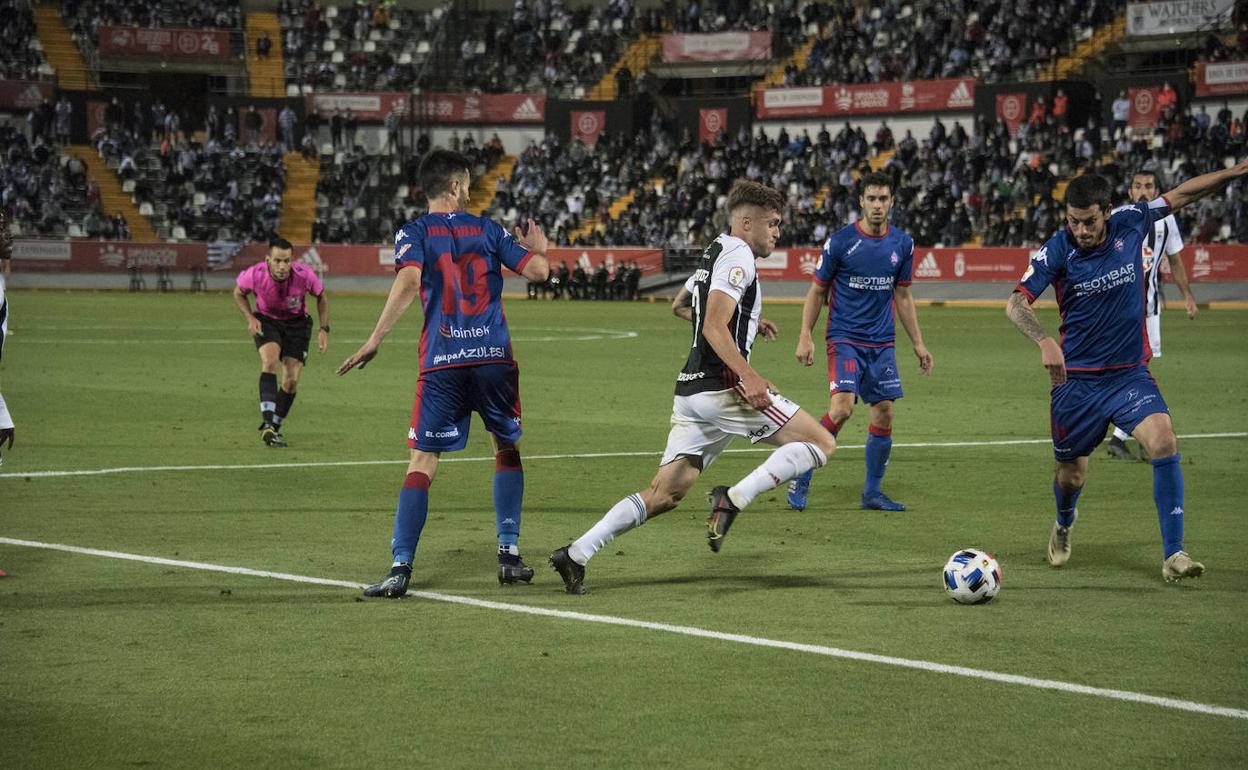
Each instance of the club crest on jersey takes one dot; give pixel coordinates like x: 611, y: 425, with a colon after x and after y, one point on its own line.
x: 736, y: 276
x: 893, y: 258
x: 1118, y: 244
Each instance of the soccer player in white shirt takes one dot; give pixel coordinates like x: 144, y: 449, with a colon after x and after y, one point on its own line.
x: 719, y: 395
x: 1165, y: 239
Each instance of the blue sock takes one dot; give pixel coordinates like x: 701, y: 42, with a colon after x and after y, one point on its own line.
x: 508, y: 496
x: 879, y: 445
x: 1168, y: 494
x: 1066, y: 500
x: 409, y: 518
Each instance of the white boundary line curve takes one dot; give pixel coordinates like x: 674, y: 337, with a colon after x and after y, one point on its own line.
x: 755, y: 641
x: 585, y: 456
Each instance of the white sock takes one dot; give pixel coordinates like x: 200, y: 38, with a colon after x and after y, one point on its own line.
x: 1121, y: 435
x: 6, y: 421
x: 627, y: 514
x: 781, y: 465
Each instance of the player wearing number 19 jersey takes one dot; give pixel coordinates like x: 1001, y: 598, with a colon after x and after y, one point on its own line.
x: 863, y: 276
x: 453, y: 260
x: 1099, y: 370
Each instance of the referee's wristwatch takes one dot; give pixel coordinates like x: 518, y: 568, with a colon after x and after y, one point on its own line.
x: 325, y: 328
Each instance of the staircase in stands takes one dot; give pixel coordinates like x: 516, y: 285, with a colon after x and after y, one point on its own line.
x: 112, y: 198
x: 614, y: 211
x: 775, y: 76
x: 636, y: 57
x: 268, y: 75
x: 61, y: 51
x: 299, y: 198
x: 481, y: 194
x: 1073, y: 63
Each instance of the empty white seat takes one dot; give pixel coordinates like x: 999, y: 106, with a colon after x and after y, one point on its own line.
x: 340, y: 80
x: 308, y: 89
x: 337, y: 58
x: 327, y: 149
x: 480, y: 48
x: 331, y: 12
x: 292, y: 89
x: 328, y: 46
x: 405, y: 58
x: 179, y: 233
x: 369, y: 46
x: 127, y: 186
x: 423, y: 47
x: 402, y: 192
x: 146, y: 209
x: 199, y: 199
x: 374, y: 35
x: 75, y: 230
x: 359, y: 213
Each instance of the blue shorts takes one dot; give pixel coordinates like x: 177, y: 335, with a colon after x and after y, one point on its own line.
x: 446, y: 399
x: 1082, y: 409
x: 866, y: 371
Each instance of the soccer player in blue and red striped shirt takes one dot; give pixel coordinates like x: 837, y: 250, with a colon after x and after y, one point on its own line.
x: 453, y: 260
x: 1099, y: 370
x: 863, y: 275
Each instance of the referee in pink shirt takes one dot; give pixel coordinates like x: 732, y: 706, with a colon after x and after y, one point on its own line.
x: 281, y: 328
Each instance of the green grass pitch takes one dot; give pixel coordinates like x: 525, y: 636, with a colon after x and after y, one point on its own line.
x: 114, y: 663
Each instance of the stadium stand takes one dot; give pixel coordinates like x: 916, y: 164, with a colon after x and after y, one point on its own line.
x: 21, y: 51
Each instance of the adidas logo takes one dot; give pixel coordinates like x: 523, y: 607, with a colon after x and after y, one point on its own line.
x: 928, y: 267
x: 527, y: 111
x: 961, y: 96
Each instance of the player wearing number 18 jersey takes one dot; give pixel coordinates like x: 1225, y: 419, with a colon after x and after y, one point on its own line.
x: 453, y: 260
x: 718, y: 394
x: 1099, y: 369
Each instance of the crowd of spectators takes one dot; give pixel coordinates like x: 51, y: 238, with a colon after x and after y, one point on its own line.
x: 20, y: 56
x: 85, y: 17
x: 923, y: 39
x: 610, y: 280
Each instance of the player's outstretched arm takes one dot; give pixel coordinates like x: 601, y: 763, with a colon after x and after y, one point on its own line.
x: 909, y: 316
x: 812, y: 307
x: 404, y: 289
x: 1019, y: 310
x: 1206, y: 184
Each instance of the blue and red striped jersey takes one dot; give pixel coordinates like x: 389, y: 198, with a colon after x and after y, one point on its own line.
x: 1100, y: 291
x: 460, y: 257
x: 863, y: 269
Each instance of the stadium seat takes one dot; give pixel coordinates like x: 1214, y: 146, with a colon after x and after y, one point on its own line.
x: 328, y: 46
x: 423, y: 48
x: 199, y: 199
x: 127, y: 186
x: 331, y: 12
x: 75, y: 230
x: 146, y: 209
x: 405, y: 58
x: 179, y: 233
x: 370, y: 46
x: 337, y: 57
x: 374, y: 36
x: 292, y: 90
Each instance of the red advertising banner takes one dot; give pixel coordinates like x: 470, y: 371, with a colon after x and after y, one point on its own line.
x: 1144, y: 108
x: 436, y: 107
x: 720, y: 46
x: 1205, y: 263
x: 1012, y: 108
x: 165, y: 43
x: 868, y: 99
x: 588, y: 125
x: 24, y: 94
x: 1221, y: 78
x: 711, y: 123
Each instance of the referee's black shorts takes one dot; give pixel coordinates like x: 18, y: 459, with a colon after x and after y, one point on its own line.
x: 293, y: 335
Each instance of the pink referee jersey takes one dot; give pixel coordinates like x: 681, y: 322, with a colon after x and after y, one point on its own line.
x: 280, y: 300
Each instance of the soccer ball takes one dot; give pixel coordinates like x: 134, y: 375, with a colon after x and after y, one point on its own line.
x: 972, y: 576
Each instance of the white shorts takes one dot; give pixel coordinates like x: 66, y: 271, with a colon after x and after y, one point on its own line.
x: 703, y: 424
x: 1153, y: 324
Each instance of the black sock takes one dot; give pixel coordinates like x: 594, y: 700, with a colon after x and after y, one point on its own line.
x: 268, y: 395
x: 284, y: 400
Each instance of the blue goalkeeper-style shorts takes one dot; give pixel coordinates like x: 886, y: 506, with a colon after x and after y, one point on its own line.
x: 446, y: 399
x: 868, y: 371
x: 1083, y: 407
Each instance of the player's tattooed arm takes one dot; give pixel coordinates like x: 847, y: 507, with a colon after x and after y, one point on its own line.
x: 1021, y: 313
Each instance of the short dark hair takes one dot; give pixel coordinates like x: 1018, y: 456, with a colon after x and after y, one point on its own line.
x: 279, y: 243
x: 1148, y: 172
x: 437, y: 169
x: 1090, y: 190
x: 747, y: 193
x: 876, y: 179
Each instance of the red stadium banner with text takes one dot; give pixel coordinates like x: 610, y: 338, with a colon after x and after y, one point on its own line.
x: 436, y: 107
x: 711, y: 123
x: 24, y: 94
x: 1221, y: 78
x: 1012, y: 108
x: 868, y: 99
x: 1144, y: 108
x: 588, y: 125
x: 1205, y: 263
x: 166, y: 43
x: 719, y: 46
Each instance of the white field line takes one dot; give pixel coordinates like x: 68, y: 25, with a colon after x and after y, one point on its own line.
x: 586, y: 456
x: 755, y: 641
x: 559, y: 335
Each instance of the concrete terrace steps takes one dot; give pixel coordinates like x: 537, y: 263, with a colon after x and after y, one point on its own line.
x: 61, y: 51
x: 775, y: 76
x: 481, y: 194
x: 112, y: 198
x: 614, y: 211
x: 636, y: 57
x: 268, y: 76
x: 1073, y: 63
x: 299, y: 198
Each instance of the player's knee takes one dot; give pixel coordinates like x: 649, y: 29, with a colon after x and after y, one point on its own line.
x: 1164, y: 445
x: 1070, y: 477
x: 826, y: 443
